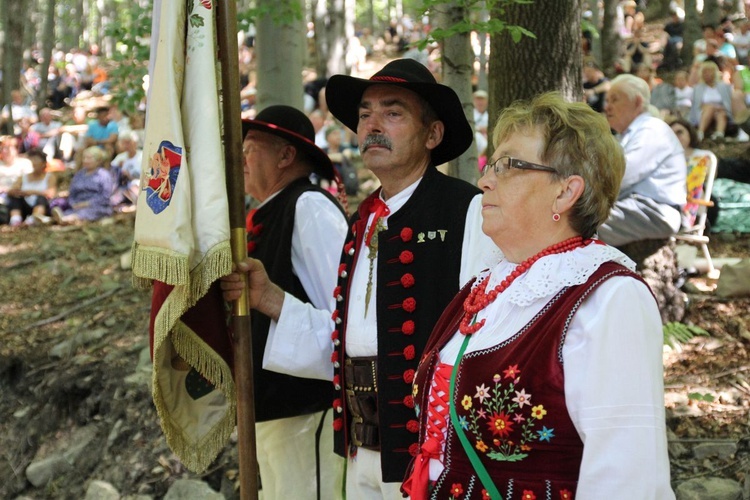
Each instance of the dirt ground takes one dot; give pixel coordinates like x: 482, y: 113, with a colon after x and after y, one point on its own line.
x: 58, y: 283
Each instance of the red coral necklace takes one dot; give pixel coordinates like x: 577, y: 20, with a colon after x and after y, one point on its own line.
x: 479, y: 298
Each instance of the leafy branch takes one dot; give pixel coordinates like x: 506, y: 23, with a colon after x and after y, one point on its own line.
x: 472, y: 10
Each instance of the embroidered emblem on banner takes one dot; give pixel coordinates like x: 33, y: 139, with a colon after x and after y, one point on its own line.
x: 161, y: 178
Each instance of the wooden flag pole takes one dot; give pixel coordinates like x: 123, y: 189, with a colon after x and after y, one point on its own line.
x: 226, y: 27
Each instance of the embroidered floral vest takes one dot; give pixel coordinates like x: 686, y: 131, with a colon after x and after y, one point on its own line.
x: 510, y: 401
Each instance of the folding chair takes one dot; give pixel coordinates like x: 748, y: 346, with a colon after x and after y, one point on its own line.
x: 700, y: 182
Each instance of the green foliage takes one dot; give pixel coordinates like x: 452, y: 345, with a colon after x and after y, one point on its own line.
x: 678, y: 333
x: 697, y: 396
x: 472, y: 8
x: 281, y: 13
x: 130, y: 60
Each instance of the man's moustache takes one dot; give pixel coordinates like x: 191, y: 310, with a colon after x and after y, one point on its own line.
x: 376, y: 140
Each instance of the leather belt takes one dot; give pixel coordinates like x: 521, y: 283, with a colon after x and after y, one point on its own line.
x: 360, y: 375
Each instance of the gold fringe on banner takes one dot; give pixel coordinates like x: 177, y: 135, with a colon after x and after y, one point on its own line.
x: 161, y: 264
x: 172, y: 336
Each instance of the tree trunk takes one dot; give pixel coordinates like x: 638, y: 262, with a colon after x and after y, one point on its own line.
x: 596, y: 43
x: 280, y: 51
x: 458, y: 68
x: 79, y: 23
x: 711, y: 12
x: 336, y: 62
x: 320, y: 22
x: 48, y: 40
x: 14, y: 21
x: 370, y: 19
x: 610, y: 39
x: 482, y: 38
x: 657, y: 9
x: 552, y: 61
x: 691, y: 32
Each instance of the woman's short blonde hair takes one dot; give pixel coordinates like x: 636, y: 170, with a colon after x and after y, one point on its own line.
x: 98, y: 153
x: 713, y: 67
x: 576, y: 141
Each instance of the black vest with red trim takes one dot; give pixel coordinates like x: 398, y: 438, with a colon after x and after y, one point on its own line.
x: 270, y: 241
x: 419, y: 261
x: 532, y: 447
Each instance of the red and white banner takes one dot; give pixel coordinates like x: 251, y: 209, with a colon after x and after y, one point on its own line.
x: 181, y: 243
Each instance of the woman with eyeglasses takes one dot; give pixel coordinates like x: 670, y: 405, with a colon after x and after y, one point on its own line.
x: 544, y: 377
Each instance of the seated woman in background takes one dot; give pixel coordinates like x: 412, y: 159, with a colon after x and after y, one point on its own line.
x: 712, y: 102
x: 698, y: 161
x: 521, y: 384
x: 31, y: 193
x: 90, y: 190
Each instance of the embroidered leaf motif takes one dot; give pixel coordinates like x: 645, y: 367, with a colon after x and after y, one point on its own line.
x: 196, y: 21
x: 501, y: 457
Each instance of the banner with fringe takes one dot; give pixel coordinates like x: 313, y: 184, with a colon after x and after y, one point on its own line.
x: 181, y: 244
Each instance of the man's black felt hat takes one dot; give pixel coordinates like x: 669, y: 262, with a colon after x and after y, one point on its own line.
x: 344, y: 94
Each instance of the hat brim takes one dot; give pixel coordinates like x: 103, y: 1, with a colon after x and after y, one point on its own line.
x: 344, y: 94
x: 321, y: 163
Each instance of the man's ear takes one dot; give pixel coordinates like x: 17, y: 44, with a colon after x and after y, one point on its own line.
x: 287, y: 154
x: 435, y: 134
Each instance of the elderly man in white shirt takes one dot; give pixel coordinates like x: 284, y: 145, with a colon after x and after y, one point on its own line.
x: 653, y: 189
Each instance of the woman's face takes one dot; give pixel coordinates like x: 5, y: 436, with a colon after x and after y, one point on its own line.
x: 37, y: 163
x: 517, y: 205
x: 708, y: 75
x: 89, y: 161
x: 682, y: 134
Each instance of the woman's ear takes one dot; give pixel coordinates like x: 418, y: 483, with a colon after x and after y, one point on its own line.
x: 571, y: 190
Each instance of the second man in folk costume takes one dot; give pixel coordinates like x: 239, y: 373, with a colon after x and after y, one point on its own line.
x: 297, y: 233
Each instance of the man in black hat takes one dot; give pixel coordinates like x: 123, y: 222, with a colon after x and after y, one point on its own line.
x: 410, y: 247
x: 297, y: 233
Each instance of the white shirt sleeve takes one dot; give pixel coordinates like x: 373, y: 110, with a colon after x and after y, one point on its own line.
x: 478, y: 252
x: 299, y: 343
x: 617, y: 410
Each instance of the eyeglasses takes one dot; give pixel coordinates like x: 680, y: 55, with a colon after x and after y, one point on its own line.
x: 505, y: 163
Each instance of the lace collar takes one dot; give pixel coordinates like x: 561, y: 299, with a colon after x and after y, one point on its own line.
x: 552, y: 273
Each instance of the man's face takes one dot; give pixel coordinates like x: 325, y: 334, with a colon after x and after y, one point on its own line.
x: 103, y: 117
x: 390, y: 131
x: 260, y: 152
x: 620, y: 109
x: 480, y: 104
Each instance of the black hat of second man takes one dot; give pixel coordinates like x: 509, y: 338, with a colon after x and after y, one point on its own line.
x: 294, y: 126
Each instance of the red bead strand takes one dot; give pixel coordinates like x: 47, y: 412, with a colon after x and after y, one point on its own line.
x: 478, y: 298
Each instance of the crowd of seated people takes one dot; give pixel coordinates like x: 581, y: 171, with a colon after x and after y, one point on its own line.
x: 42, y: 166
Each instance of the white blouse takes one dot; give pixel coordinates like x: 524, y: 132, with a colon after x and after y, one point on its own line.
x: 612, y: 358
